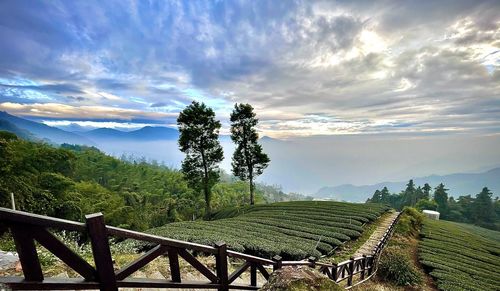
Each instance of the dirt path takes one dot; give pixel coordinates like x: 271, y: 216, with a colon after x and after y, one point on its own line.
x: 368, y: 246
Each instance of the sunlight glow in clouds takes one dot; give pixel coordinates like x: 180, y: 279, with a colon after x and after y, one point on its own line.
x: 308, y: 67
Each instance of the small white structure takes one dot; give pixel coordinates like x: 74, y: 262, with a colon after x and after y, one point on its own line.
x: 431, y: 214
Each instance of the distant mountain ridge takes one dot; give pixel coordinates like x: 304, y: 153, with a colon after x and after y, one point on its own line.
x: 458, y: 184
x: 147, y: 133
x: 42, y: 131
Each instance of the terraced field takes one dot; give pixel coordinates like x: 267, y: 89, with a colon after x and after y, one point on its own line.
x: 461, y: 257
x: 293, y: 230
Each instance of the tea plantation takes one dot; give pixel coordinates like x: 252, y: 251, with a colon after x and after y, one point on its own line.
x: 460, y: 256
x: 293, y: 230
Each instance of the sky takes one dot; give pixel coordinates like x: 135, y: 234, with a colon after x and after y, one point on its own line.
x: 393, y: 70
x: 308, y: 67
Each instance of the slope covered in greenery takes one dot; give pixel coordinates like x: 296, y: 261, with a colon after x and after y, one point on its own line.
x: 71, y: 181
x: 293, y: 230
x: 460, y: 256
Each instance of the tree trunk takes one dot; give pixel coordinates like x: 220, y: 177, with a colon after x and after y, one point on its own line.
x: 208, y: 209
x: 252, y: 201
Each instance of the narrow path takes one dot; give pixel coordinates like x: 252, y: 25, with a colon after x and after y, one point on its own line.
x: 368, y: 246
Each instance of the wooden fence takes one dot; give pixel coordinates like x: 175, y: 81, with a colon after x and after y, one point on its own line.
x: 27, y: 228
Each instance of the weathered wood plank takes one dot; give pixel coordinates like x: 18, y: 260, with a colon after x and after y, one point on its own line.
x: 140, y: 262
x: 198, y: 265
x: 173, y: 259
x: 101, y: 252
x: 67, y: 255
x: 25, y: 246
x: 238, y: 272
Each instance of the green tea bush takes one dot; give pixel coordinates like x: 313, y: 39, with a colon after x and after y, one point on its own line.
x: 293, y: 230
x: 395, y: 266
x: 460, y: 256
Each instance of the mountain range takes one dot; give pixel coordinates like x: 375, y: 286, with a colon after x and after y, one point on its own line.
x: 458, y: 184
x: 38, y: 131
x: 293, y: 166
x: 147, y: 133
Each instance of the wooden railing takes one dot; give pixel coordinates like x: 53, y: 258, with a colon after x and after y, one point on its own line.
x: 27, y: 228
x: 357, y: 269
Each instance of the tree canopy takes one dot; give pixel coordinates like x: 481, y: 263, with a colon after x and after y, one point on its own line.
x: 249, y: 160
x: 199, y: 140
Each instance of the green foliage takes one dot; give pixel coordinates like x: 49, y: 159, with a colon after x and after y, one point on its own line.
x: 292, y: 230
x: 460, y: 256
x: 426, y: 204
x: 481, y: 210
x: 249, y: 161
x: 199, y: 133
x: 410, y: 222
x: 71, y: 181
x: 395, y: 266
x: 441, y: 198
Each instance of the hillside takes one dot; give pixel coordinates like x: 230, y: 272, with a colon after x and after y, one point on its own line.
x: 460, y: 256
x: 147, y: 133
x: 458, y: 184
x: 293, y: 230
x: 44, y: 132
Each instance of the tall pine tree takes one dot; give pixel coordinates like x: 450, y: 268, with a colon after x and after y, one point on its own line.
x: 249, y: 161
x: 441, y: 198
x: 199, y: 133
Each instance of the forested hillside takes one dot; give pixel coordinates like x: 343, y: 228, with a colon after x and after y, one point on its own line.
x: 71, y: 181
x: 480, y: 209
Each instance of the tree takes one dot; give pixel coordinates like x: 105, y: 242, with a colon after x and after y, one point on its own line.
x: 249, y: 161
x: 482, y: 208
x: 427, y: 191
x: 425, y: 204
x: 409, y: 194
x: 199, y: 133
x: 441, y: 198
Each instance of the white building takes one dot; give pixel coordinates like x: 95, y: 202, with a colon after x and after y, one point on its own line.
x: 431, y: 214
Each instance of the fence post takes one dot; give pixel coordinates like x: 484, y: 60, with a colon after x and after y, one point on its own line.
x: 369, y: 261
x: 173, y: 261
x: 253, y: 274
x: 335, y: 275
x: 277, y: 263
x: 312, y: 261
x: 351, y: 272
x: 221, y: 265
x: 25, y: 246
x: 101, y: 252
x: 363, y: 267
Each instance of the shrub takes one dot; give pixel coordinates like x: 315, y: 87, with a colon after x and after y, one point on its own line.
x: 293, y: 230
x: 460, y: 256
x: 395, y: 266
x: 410, y: 222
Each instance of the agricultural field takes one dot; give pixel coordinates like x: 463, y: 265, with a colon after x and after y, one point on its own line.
x: 461, y: 256
x: 293, y: 230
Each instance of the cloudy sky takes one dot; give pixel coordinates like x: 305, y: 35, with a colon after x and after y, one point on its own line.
x: 308, y: 67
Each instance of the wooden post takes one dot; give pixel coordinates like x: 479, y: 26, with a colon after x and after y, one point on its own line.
x: 25, y: 246
x: 173, y: 259
x: 312, y: 261
x: 335, y: 275
x: 101, y: 252
x: 221, y: 265
x: 369, y: 261
x: 13, y: 200
x: 351, y: 272
x: 363, y: 267
x: 253, y: 275
x: 277, y: 262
